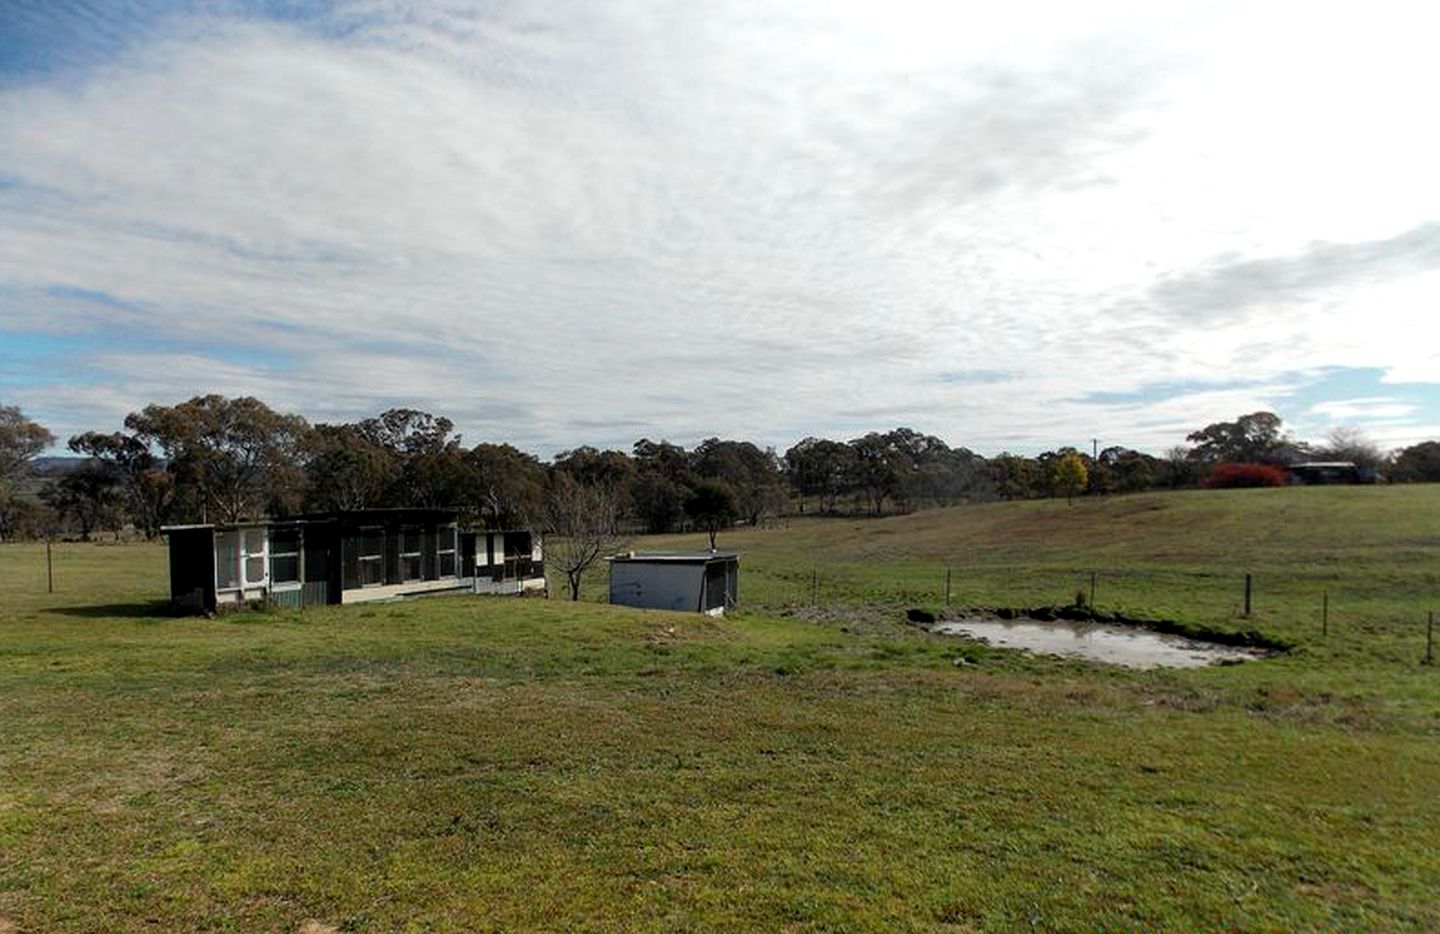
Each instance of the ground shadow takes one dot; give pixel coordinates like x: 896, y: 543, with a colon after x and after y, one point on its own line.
x: 152, y: 608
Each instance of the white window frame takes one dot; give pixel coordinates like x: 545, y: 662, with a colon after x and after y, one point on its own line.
x: 246, y: 555
x: 237, y: 564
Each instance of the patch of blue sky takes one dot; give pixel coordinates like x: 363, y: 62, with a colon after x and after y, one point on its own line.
x: 1157, y: 392
x: 1354, y: 395
x: 28, y: 358
x: 42, y: 39
x: 1320, y: 399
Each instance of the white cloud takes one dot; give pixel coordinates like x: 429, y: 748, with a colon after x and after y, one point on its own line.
x: 587, y: 223
x: 1380, y: 407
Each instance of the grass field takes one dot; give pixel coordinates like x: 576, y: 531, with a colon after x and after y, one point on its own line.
x: 490, y: 763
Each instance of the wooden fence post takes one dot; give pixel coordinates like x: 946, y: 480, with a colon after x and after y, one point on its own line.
x: 49, y: 569
x: 1325, y: 613
x: 947, y: 586
x: 1247, y: 595
x: 1430, y: 639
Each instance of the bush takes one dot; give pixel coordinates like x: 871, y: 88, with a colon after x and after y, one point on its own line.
x: 1234, y: 476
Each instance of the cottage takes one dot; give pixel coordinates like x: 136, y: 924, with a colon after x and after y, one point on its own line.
x: 703, y: 582
x: 1331, y: 472
x: 346, y: 557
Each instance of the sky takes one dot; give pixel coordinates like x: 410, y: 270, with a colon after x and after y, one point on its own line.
x: 1014, y: 226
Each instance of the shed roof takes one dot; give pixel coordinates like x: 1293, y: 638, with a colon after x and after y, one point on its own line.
x: 675, y: 557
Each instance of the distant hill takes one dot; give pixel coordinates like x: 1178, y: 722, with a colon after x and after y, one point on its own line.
x: 57, y: 465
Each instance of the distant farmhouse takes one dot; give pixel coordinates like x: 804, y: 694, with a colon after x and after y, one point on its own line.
x: 346, y: 557
x: 697, y: 582
x: 1331, y: 472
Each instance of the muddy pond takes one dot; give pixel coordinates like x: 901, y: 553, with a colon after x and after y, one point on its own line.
x: 1114, y: 645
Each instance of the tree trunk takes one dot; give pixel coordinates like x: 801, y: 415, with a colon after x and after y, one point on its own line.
x: 574, y: 578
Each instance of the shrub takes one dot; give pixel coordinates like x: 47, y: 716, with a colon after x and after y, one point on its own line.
x: 1234, y: 476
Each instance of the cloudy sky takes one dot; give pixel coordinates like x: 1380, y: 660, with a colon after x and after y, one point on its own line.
x: 587, y: 222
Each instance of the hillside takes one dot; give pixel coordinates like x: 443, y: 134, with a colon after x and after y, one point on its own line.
x: 1375, y: 550
x: 488, y: 764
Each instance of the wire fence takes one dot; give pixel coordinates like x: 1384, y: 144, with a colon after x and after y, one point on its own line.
x: 1307, y: 602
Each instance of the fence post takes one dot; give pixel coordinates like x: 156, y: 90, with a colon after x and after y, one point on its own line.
x: 49, y: 569
x: 1247, y: 594
x: 1430, y: 639
x: 1092, y: 590
x: 1325, y: 613
x: 947, y: 586
x: 814, y: 587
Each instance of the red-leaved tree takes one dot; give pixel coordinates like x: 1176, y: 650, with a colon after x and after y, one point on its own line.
x: 1230, y: 476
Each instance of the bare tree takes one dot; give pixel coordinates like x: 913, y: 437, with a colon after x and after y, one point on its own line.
x: 580, y: 522
x: 1348, y: 443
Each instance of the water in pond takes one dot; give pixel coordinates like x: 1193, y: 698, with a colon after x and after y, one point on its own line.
x: 1117, y: 645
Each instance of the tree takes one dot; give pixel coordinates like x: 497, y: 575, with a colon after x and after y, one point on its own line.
x: 611, y: 470
x: 1068, y: 473
x: 659, y: 501
x: 1180, y: 466
x: 752, y: 473
x: 712, y: 506
x: 1347, y: 443
x: 943, y: 476
x: 1230, y: 476
x: 821, y: 468
x: 1419, y: 463
x: 506, y: 486
x: 430, y: 462
x: 1253, y: 438
x: 876, y: 468
x: 21, y: 441
x: 348, y: 468
x: 88, y: 495
x: 1121, y: 469
x: 233, y: 457
x: 141, y: 479
x: 580, y: 526
x: 1014, y: 476
x: 663, y: 480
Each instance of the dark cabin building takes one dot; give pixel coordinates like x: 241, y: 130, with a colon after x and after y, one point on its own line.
x: 346, y: 557
x: 1312, y: 473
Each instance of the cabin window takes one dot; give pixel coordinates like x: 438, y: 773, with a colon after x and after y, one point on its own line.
x: 285, y: 556
x: 372, y: 557
x: 410, y: 555
x: 255, y: 555
x: 227, y: 560
x: 445, y: 550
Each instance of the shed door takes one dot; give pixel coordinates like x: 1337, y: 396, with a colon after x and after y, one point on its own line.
x: 714, y: 585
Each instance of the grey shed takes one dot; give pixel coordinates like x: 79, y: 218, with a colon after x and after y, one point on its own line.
x: 696, y: 582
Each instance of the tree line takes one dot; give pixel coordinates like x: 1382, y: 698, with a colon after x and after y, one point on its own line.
x: 218, y: 459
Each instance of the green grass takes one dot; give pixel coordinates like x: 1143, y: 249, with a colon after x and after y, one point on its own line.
x: 474, y: 763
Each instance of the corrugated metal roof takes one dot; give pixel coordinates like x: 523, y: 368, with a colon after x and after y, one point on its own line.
x: 691, y: 557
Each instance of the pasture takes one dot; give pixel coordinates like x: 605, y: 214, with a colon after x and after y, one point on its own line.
x: 810, y: 763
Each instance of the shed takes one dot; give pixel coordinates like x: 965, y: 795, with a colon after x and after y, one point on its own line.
x: 699, y: 582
